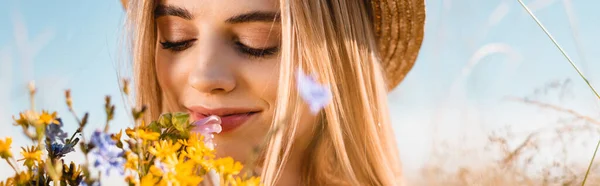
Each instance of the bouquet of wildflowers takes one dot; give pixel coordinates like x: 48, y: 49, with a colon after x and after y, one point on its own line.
x: 169, y: 151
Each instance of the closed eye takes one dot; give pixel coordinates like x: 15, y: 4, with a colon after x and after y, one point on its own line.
x: 256, y: 52
x: 177, y: 46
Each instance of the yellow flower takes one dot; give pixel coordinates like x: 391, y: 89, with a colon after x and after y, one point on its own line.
x: 148, y: 135
x: 185, y: 174
x: 181, y: 172
x: 132, y: 161
x: 197, y: 151
x: 253, y: 181
x: 31, y: 155
x: 195, y: 140
x: 142, y: 134
x: 227, y: 167
x: 132, y: 180
x: 26, y: 118
x: 166, y: 151
x: 117, y: 136
x: 47, y: 118
x: 22, y: 119
x: 5, y: 148
x: 22, y: 178
x: 156, y: 171
x: 30, y: 117
x: 148, y: 180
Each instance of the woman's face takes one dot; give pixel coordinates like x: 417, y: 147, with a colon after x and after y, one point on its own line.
x: 221, y: 58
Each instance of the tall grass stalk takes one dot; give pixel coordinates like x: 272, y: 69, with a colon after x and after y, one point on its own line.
x: 578, y: 72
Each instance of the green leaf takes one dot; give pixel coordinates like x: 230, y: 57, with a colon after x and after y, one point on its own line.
x: 165, y: 120
x: 180, y: 121
x: 154, y: 127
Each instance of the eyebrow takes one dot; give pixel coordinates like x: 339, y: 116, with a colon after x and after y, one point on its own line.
x: 168, y: 10
x: 256, y: 16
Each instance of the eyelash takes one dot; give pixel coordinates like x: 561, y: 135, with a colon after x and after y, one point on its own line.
x: 179, y: 46
x: 256, y: 52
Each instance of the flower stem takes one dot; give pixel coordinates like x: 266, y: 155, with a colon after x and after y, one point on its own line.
x: 13, y: 166
x: 32, y: 95
x: 578, y: 72
x: 106, y: 126
x: 560, y: 48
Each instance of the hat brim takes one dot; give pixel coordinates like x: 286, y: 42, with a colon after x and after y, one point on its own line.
x: 399, y: 28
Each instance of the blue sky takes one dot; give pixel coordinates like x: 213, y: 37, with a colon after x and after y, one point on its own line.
x: 475, y: 54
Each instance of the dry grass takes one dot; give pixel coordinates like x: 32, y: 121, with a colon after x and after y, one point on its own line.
x: 541, y: 157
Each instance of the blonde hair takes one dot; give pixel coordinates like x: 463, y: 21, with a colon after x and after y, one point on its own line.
x: 353, y: 141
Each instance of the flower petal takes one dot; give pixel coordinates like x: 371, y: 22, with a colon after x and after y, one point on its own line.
x: 208, y: 125
x: 316, y: 95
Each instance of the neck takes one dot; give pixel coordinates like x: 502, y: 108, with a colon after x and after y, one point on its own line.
x: 292, y: 172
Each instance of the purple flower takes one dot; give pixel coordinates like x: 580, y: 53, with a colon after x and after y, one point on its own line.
x: 316, y: 95
x: 207, y: 127
x: 59, y: 150
x: 106, y: 155
x: 55, y: 136
x: 54, y: 132
x: 83, y: 183
x: 102, y: 140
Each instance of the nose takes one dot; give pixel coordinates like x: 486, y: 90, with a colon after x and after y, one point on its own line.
x: 212, y: 73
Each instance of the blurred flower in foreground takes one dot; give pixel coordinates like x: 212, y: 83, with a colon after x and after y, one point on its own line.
x: 227, y: 167
x: 142, y: 134
x: 167, y: 151
x: 106, y: 153
x: 5, y: 148
x: 316, y: 95
x: 48, y: 118
x: 55, y: 140
x: 207, y: 127
x: 132, y: 162
x: 149, y: 180
x: 30, y: 156
x: 253, y: 181
x: 60, y: 150
x: 54, y: 132
x: 83, y: 183
x: 72, y: 174
x: 161, y: 166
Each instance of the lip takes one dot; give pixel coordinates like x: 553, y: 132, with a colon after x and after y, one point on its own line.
x: 231, y: 118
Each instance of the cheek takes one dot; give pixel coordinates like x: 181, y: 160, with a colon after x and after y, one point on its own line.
x: 262, y: 78
x: 171, y: 74
x: 269, y: 81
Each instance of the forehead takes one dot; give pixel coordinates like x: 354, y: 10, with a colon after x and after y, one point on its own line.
x: 222, y: 8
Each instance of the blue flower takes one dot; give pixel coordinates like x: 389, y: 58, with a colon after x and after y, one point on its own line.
x: 316, y: 95
x: 58, y: 150
x: 83, y: 183
x: 106, y: 155
x: 55, y: 136
x: 55, y: 133
x: 101, y: 140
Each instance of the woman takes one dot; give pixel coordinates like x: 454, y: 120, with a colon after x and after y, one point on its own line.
x: 237, y: 59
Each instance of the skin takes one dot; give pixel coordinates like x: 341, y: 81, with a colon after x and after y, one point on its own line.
x: 203, y: 60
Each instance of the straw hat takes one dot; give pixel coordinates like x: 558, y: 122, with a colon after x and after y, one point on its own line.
x: 399, y: 26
